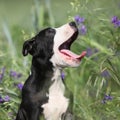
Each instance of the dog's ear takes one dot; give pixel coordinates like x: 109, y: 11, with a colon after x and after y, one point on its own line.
x: 28, y: 47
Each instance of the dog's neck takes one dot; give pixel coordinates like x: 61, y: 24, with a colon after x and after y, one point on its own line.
x: 57, y: 73
x: 40, y: 67
x: 45, y: 72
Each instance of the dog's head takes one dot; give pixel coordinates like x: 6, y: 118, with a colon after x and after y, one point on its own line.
x: 53, y: 44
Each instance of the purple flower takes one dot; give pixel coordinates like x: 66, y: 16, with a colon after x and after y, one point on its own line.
x: 107, y: 98
x: 79, y: 19
x: 118, y: 23
x: 6, y: 98
x: 115, y: 21
x: 105, y: 74
x: 15, y: 74
x: 83, y: 29
x: 80, y: 24
x: 20, y: 86
x: 19, y: 75
x: 62, y: 75
x: 91, y: 51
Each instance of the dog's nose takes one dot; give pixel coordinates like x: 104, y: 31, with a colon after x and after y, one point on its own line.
x: 72, y: 24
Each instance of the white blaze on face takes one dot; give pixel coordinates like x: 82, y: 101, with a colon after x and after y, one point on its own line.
x: 63, y: 33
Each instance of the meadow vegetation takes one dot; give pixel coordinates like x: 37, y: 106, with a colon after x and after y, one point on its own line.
x: 95, y: 83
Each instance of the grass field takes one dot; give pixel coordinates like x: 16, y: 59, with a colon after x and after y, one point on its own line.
x: 95, y: 83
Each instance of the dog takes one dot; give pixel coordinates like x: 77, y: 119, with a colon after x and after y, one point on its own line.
x: 44, y: 91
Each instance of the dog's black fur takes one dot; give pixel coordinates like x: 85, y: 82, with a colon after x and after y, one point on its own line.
x: 37, y: 84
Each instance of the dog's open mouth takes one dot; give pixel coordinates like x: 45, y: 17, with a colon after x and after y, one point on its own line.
x: 65, y: 48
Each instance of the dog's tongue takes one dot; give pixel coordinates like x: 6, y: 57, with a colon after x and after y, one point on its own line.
x: 73, y: 55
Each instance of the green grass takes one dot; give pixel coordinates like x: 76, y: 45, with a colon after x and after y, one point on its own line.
x: 87, y: 82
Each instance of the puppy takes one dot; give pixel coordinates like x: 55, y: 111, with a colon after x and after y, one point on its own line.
x: 44, y: 90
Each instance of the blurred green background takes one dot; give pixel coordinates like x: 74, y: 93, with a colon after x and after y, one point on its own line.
x: 95, y: 83
x: 19, y: 12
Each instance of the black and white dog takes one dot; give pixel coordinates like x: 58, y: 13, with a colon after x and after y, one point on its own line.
x: 44, y: 90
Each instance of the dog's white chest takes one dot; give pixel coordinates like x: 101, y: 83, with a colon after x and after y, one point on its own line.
x: 57, y: 103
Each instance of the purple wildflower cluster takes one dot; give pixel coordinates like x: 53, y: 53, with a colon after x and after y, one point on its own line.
x: 5, y: 99
x: 15, y: 74
x: 80, y: 23
x: 12, y: 74
x: 107, y: 98
x: 116, y: 21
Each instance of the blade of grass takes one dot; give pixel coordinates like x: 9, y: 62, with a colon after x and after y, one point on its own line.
x: 12, y: 48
